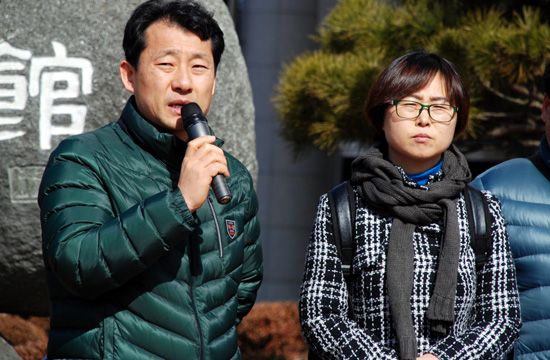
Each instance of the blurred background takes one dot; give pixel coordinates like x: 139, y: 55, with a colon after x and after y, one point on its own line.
x: 310, y: 64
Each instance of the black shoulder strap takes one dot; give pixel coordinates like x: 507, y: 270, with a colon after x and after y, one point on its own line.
x: 541, y: 166
x: 479, y: 220
x: 343, y: 217
x: 342, y: 205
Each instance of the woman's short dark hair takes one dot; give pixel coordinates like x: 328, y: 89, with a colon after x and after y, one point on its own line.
x: 188, y: 15
x: 409, y: 74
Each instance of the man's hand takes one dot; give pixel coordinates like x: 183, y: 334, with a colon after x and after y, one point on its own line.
x: 201, y: 163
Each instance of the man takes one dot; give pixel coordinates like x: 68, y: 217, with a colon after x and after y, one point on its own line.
x: 140, y: 262
x: 523, y: 188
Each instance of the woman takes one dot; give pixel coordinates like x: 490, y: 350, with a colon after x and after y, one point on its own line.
x: 415, y: 290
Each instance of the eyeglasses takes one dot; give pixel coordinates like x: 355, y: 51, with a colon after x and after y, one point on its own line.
x: 408, y: 109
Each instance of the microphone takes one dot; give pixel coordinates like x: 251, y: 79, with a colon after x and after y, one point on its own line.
x: 195, y: 124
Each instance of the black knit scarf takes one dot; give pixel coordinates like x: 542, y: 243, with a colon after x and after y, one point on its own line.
x: 380, y: 185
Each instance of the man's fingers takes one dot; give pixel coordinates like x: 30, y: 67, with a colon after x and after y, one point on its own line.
x: 197, y: 143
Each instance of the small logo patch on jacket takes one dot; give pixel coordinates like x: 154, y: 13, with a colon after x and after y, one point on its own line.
x: 231, y: 226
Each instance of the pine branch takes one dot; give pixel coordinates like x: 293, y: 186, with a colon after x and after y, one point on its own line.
x: 523, y: 102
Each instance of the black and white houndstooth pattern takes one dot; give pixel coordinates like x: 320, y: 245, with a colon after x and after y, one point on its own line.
x: 487, y: 315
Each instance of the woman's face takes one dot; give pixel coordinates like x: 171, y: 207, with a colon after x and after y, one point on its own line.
x: 416, y: 145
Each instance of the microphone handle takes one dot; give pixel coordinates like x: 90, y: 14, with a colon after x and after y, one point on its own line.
x: 221, y: 189
x: 219, y: 183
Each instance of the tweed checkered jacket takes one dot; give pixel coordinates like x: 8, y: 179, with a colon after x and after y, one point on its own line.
x: 487, y: 314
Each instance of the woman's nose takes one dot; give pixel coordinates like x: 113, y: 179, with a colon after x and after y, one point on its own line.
x: 423, y: 118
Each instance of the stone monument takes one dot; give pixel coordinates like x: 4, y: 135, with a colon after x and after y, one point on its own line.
x: 59, y: 76
x: 6, y: 351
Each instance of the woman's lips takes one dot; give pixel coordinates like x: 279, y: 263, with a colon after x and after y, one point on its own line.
x: 422, y: 137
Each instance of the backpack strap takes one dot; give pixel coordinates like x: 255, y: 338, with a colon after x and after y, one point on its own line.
x: 479, y: 220
x: 540, y: 165
x: 342, y: 204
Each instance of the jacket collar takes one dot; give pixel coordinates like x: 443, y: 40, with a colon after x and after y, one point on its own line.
x: 164, y: 146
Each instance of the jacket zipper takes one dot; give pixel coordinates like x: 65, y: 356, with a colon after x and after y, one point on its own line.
x: 218, y: 231
x: 220, y: 244
x: 197, y: 317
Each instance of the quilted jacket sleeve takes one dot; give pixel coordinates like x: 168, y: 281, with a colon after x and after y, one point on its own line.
x: 89, y: 248
x: 324, y: 300
x: 253, y: 258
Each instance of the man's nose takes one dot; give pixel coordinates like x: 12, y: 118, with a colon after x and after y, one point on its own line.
x: 182, y: 81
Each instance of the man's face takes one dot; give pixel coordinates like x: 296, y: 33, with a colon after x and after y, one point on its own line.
x: 175, y: 68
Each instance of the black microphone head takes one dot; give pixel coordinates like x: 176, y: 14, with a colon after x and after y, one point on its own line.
x: 190, y: 109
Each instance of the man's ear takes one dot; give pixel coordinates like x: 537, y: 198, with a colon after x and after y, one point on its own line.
x: 214, y: 86
x: 127, y: 72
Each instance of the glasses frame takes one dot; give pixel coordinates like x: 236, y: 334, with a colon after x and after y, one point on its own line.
x: 422, y: 106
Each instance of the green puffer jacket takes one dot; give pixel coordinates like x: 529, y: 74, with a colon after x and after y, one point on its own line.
x: 132, y: 273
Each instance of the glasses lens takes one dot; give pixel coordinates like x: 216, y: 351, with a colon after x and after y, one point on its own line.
x: 441, y: 112
x: 408, y: 109
x: 438, y: 112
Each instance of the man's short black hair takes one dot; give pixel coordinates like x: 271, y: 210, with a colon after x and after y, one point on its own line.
x: 188, y: 15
